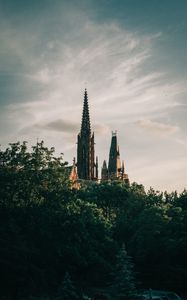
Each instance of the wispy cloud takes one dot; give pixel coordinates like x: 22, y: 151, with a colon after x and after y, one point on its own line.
x: 60, y: 125
x: 126, y: 92
x: 157, y: 127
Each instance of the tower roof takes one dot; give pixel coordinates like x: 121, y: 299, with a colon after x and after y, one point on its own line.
x: 85, y: 125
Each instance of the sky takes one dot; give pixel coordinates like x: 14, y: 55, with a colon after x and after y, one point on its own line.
x: 131, y: 57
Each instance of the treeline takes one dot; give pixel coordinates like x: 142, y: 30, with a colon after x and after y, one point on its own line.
x: 47, y: 229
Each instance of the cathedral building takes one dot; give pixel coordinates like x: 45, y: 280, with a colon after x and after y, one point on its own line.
x: 86, y: 167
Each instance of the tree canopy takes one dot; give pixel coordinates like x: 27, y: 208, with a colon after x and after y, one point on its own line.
x: 48, y: 228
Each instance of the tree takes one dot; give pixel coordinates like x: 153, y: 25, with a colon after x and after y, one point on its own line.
x: 67, y: 290
x: 29, y: 178
x: 124, y: 281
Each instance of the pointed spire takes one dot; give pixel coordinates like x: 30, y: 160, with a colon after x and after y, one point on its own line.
x: 96, y: 168
x: 85, y: 125
x: 73, y: 175
x: 122, y: 167
x: 86, y: 166
x: 104, y: 172
x: 112, y: 163
x: 118, y: 153
x: 104, y: 165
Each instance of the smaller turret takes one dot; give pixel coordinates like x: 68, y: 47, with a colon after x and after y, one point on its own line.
x: 73, y: 175
x: 122, y: 168
x: 96, y: 168
x: 104, y: 171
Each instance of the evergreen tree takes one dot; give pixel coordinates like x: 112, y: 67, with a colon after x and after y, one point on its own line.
x: 67, y: 290
x: 124, y: 281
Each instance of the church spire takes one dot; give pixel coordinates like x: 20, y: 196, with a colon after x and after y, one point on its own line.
x: 85, y: 125
x: 113, y: 157
x: 86, y: 166
x: 104, y: 172
x: 116, y: 170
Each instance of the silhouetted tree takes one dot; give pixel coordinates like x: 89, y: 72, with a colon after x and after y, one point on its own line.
x: 123, y: 287
x: 67, y: 290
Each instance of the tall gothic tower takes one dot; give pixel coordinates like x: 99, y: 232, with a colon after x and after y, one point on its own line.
x: 114, y: 164
x: 115, y: 170
x: 87, y: 168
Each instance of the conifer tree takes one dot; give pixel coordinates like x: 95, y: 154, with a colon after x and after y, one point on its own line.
x: 123, y: 287
x: 67, y: 290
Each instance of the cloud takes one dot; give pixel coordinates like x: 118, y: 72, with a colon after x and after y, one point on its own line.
x: 157, y: 127
x: 129, y: 86
x: 101, y: 129
x: 60, y: 125
x: 71, y: 127
x: 42, y: 76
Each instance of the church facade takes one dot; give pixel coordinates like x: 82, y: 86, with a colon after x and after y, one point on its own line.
x: 86, y: 166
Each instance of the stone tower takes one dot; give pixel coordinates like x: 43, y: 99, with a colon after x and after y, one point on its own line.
x: 114, y: 164
x: 87, y: 168
x: 115, y: 170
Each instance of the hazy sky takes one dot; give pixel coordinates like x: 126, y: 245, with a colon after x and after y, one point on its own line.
x: 132, y: 57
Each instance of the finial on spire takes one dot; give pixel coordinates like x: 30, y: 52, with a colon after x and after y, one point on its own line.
x: 114, y: 133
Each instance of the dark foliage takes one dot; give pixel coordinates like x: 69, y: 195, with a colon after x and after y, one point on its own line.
x: 123, y: 287
x: 66, y: 290
x: 46, y: 228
